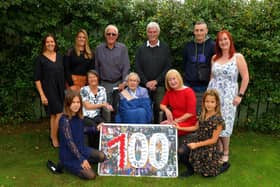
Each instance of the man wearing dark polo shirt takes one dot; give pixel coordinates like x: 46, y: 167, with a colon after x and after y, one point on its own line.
x: 112, y: 62
x: 152, y: 61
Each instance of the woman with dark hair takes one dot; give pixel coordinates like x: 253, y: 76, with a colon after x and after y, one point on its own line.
x: 49, y: 81
x: 227, y: 64
x: 94, y: 99
x: 73, y: 154
x: 78, y: 61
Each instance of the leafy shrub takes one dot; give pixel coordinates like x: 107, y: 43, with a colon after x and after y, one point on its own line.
x: 255, y: 26
x: 268, y: 122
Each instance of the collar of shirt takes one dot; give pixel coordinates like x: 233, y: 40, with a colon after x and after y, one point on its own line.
x: 132, y: 93
x: 149, y: 45
x: 115, y: 46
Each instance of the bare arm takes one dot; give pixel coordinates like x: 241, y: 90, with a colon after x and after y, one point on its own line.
x: 209, y: 141
x: 41, y: 92
x: 244, y: 73
x: 167, y: 112
x: 184, y: 117
x: 188, y: 129
x: 90, y: 106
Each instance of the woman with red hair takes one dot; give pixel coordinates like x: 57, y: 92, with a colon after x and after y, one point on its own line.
x: 227, y: 64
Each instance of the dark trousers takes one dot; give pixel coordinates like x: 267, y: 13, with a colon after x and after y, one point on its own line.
x: 156, y: 97
x: 183, y: 155
x: 90, y: 126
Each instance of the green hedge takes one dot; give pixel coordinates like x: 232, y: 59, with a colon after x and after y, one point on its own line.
x: 255, y: 26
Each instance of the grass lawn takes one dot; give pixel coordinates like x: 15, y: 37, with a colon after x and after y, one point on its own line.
x: 24, y: 150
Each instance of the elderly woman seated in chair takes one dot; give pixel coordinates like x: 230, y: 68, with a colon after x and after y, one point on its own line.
x: 135, y: 104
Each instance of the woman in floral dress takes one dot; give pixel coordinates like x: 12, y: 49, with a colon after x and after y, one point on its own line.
x: 226, y: 66
x: 203, y: 156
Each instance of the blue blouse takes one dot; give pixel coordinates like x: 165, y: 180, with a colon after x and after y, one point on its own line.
x: 72, y: 150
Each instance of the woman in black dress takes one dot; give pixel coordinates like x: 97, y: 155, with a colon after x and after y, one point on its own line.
x: 49, y: 81
x: 78, y: 61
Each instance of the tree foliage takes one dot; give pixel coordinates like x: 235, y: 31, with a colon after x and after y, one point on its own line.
x: 255, y: 26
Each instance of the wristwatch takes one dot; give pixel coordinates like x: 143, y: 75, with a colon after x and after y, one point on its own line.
x: 240, y: 95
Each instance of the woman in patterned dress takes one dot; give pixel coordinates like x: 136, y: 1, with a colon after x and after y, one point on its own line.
x: 226, y: 66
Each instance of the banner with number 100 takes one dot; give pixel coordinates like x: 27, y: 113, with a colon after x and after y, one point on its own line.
x: 139, y: 150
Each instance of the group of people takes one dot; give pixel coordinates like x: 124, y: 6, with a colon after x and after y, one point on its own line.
x: 211, y: 69
x: 201, y: 105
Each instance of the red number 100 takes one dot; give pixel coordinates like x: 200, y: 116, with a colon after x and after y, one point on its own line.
x: 139, y: 150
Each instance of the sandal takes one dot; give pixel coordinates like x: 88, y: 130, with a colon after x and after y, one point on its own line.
x: 225, y: 158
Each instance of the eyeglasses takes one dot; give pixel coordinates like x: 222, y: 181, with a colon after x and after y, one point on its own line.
x: 111, y: 34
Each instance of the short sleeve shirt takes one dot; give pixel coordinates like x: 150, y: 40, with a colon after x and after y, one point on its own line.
x: 88, y: 96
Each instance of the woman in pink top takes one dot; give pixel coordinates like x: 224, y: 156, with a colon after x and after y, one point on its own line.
x: 178, y: 103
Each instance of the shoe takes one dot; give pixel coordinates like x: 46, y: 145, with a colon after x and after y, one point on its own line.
x: 225, y: 166
x: 59, y: 168
x: 56, y: 169
x: 186, y: 174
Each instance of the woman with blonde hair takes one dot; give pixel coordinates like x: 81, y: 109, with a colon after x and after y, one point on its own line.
x: 178, y: 103
x: 78, y: 61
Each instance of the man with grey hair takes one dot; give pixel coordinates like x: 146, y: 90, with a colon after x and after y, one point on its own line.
x: 112, y: 62
x: 197, y: 56
x: 152, y: 61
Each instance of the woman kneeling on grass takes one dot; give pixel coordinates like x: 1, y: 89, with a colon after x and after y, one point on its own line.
x: 201, y: 154
x: 73, y: 154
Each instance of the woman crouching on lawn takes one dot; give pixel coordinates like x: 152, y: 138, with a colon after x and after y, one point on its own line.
x: 201, y: 154
x: 73, y: 154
